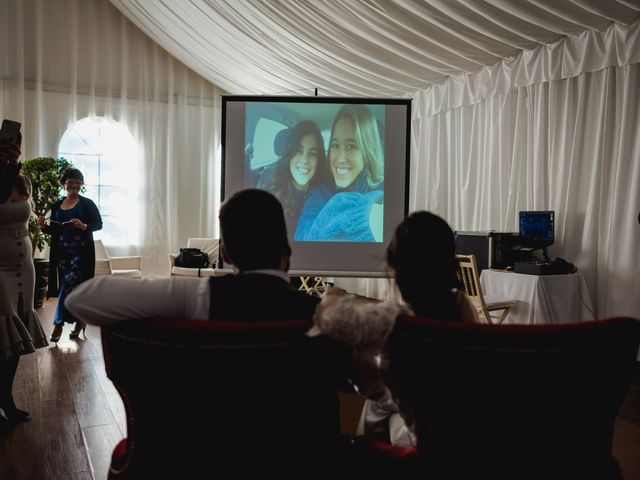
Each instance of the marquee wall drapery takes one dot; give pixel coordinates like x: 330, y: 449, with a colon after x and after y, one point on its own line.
x: 554, y: 128
x: 63, y: 60
x: 536, y: 132
x: 569, y: 145
x: 518, y: 105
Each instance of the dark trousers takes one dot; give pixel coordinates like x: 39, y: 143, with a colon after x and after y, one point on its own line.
x: 8, y: 369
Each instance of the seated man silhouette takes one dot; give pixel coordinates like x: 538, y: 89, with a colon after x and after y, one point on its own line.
x: 248, y: 413
x: 253, y: 239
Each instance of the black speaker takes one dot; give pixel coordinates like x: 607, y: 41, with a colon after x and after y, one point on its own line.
x: 479, y: 244
x: 491, y: 249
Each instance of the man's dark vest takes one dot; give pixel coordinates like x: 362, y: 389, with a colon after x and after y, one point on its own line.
x: 256, y: 296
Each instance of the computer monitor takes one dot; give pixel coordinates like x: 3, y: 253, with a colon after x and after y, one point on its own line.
x: 537, y: 228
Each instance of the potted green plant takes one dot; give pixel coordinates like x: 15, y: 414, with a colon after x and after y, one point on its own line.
x: 44, y: 173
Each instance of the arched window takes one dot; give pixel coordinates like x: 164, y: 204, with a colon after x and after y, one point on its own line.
x: 107, y: 155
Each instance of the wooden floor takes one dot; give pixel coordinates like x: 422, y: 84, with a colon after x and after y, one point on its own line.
x: 77, y: 416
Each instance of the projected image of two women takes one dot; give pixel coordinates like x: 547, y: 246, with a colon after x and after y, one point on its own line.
x: 324, y: 162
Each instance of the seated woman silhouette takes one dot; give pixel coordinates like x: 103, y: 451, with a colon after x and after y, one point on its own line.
x: 297, y: 170
x: 422, y: 257
x: 349, y: 206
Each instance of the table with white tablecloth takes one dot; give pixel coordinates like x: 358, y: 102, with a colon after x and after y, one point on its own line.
x: 541, y: 299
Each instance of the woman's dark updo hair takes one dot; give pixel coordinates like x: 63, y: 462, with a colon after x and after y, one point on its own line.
x: 422, y: 255
x: 71, y: 174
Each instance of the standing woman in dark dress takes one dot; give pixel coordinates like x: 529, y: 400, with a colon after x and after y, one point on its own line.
x: 73, y: 256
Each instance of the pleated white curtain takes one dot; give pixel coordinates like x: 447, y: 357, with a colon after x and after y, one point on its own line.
x: 553, y: 128
x: 570, y: 145
x: 63, y: 60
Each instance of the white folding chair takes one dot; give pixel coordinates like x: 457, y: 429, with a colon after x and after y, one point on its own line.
x: 468, y: 273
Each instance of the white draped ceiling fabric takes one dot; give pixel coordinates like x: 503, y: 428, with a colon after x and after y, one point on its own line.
x: 518, y: 105
x: 365, y: 48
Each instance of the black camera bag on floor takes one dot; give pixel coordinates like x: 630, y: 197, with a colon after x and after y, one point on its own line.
x: 192, y: 258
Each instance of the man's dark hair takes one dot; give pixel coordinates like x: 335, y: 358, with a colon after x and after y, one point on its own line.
x: 71, y: 174
x: 253, y: 230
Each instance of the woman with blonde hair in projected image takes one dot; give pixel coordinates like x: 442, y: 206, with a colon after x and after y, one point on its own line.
x: 296, y: 171
x: 350, y: 207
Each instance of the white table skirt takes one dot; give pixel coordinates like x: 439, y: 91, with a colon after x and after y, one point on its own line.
x: 540, y: 298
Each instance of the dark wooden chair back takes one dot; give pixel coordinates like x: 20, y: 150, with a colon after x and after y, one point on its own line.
x: 204, y: 397
x: 514, y: 401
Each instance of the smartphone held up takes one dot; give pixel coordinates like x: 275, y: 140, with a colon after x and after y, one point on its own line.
x: 10, y: 132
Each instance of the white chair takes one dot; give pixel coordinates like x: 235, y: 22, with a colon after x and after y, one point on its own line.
x: 126, y: 267
x: 208, y: 246
x: 484, y: 304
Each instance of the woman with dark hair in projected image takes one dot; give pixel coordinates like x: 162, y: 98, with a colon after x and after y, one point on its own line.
x: 350, y: 207
x: 297, y: 170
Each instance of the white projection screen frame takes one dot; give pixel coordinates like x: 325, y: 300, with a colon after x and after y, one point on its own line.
x: 250, y: 125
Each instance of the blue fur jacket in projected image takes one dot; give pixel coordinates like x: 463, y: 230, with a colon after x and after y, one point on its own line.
x: 331, y: 214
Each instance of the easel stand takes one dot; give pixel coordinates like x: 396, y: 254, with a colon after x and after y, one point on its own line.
x: 313, y: 285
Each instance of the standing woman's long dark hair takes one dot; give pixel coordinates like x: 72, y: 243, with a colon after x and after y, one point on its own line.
x: 282, y: 184
x: 422, y: 255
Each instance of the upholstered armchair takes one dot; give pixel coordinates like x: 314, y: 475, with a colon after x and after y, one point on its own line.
x: 128, y: 267
x: 208, y: 246
x: 511, y: 401
x: 205, y: 398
